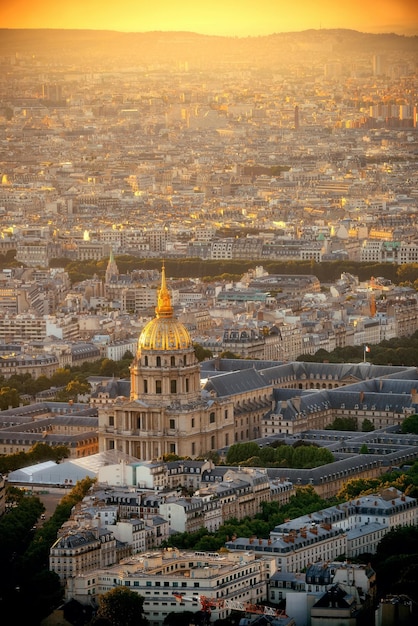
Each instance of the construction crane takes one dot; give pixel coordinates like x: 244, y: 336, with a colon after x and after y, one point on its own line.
x: 207, y: 605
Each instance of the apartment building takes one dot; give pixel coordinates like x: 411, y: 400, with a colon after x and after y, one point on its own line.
x: 397, y: 252
x: 36, y: 365
x: 19, y: 298
x: 301, y: 590
x: 21, y: 327
x: 92, y: 250
x: 294, y: 551
x: 82, y: 551
x: 324, y: 535
x: 191, y: 514
x: 238, y: 577
x: 135, y: 299
x: 38, y: 253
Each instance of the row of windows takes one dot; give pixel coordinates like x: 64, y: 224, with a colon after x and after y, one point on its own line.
x: 181, y: 362
x: 172, y: 421
x: 159, y: 389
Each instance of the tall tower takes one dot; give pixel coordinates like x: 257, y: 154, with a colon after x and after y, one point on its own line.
x: 166, y: 412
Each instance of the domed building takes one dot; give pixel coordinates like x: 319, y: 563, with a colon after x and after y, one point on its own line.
x: 166, y: 412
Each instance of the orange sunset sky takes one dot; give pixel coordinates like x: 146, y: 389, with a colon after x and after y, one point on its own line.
x: 214, y: 17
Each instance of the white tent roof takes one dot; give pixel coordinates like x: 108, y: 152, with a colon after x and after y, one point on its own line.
x: 50, y: 473
x: 68, y: 472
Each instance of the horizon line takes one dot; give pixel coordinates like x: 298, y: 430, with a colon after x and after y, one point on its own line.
x: 190, y: 32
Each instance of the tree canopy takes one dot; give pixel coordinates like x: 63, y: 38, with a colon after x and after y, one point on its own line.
x: 185, y: 267
x: 396, y: 562
x: 295, y: 456
x: 410, y: 424
x: 121, y: 607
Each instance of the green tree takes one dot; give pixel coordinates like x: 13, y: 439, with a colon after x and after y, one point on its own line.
x: 201, y: 352
x: 108, y: 367
x: 364, y: 449
x: 8, y: 398
x: 410, y: 424
x: 72, y: 390
x: 396, y: 562
x: 61, y: 377
x: 239, y: 452
x: 122, y: 607
x: 367, y: 426
x: 227, y: 354
x: 343, y: 423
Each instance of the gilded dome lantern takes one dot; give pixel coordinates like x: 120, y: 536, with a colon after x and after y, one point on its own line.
x: 164, y: 332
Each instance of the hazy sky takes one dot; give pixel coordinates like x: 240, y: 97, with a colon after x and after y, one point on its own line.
x: 214, y: 17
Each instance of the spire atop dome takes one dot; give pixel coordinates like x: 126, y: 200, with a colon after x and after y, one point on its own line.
x: 164, y: 332
x: 164, y: 307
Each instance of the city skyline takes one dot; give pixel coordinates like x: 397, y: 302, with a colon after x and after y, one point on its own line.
x: 233, y: 18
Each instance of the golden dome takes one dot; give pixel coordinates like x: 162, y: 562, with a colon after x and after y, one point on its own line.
x: 164, y: 332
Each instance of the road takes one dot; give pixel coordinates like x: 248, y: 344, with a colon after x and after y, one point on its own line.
x: 50, y: 498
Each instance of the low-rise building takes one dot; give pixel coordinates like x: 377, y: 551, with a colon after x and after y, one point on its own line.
x: 156, y: 576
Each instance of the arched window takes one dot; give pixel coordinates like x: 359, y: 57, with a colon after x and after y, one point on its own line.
x: 158, y: 361
x: 172, y: 361
x: 146, y: 360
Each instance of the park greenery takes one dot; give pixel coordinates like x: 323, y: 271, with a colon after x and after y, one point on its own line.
x: 29, y: 590
x: 209, y: 270
x: 396, y: 563
x: 397, y: 351
x: 230, y: 269
x: 298, y: 455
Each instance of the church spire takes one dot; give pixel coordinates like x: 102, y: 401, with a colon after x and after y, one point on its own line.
x: 164, y: 307
x: 112, y: 271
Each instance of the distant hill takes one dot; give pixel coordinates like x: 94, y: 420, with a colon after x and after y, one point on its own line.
x: 74, y: 45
